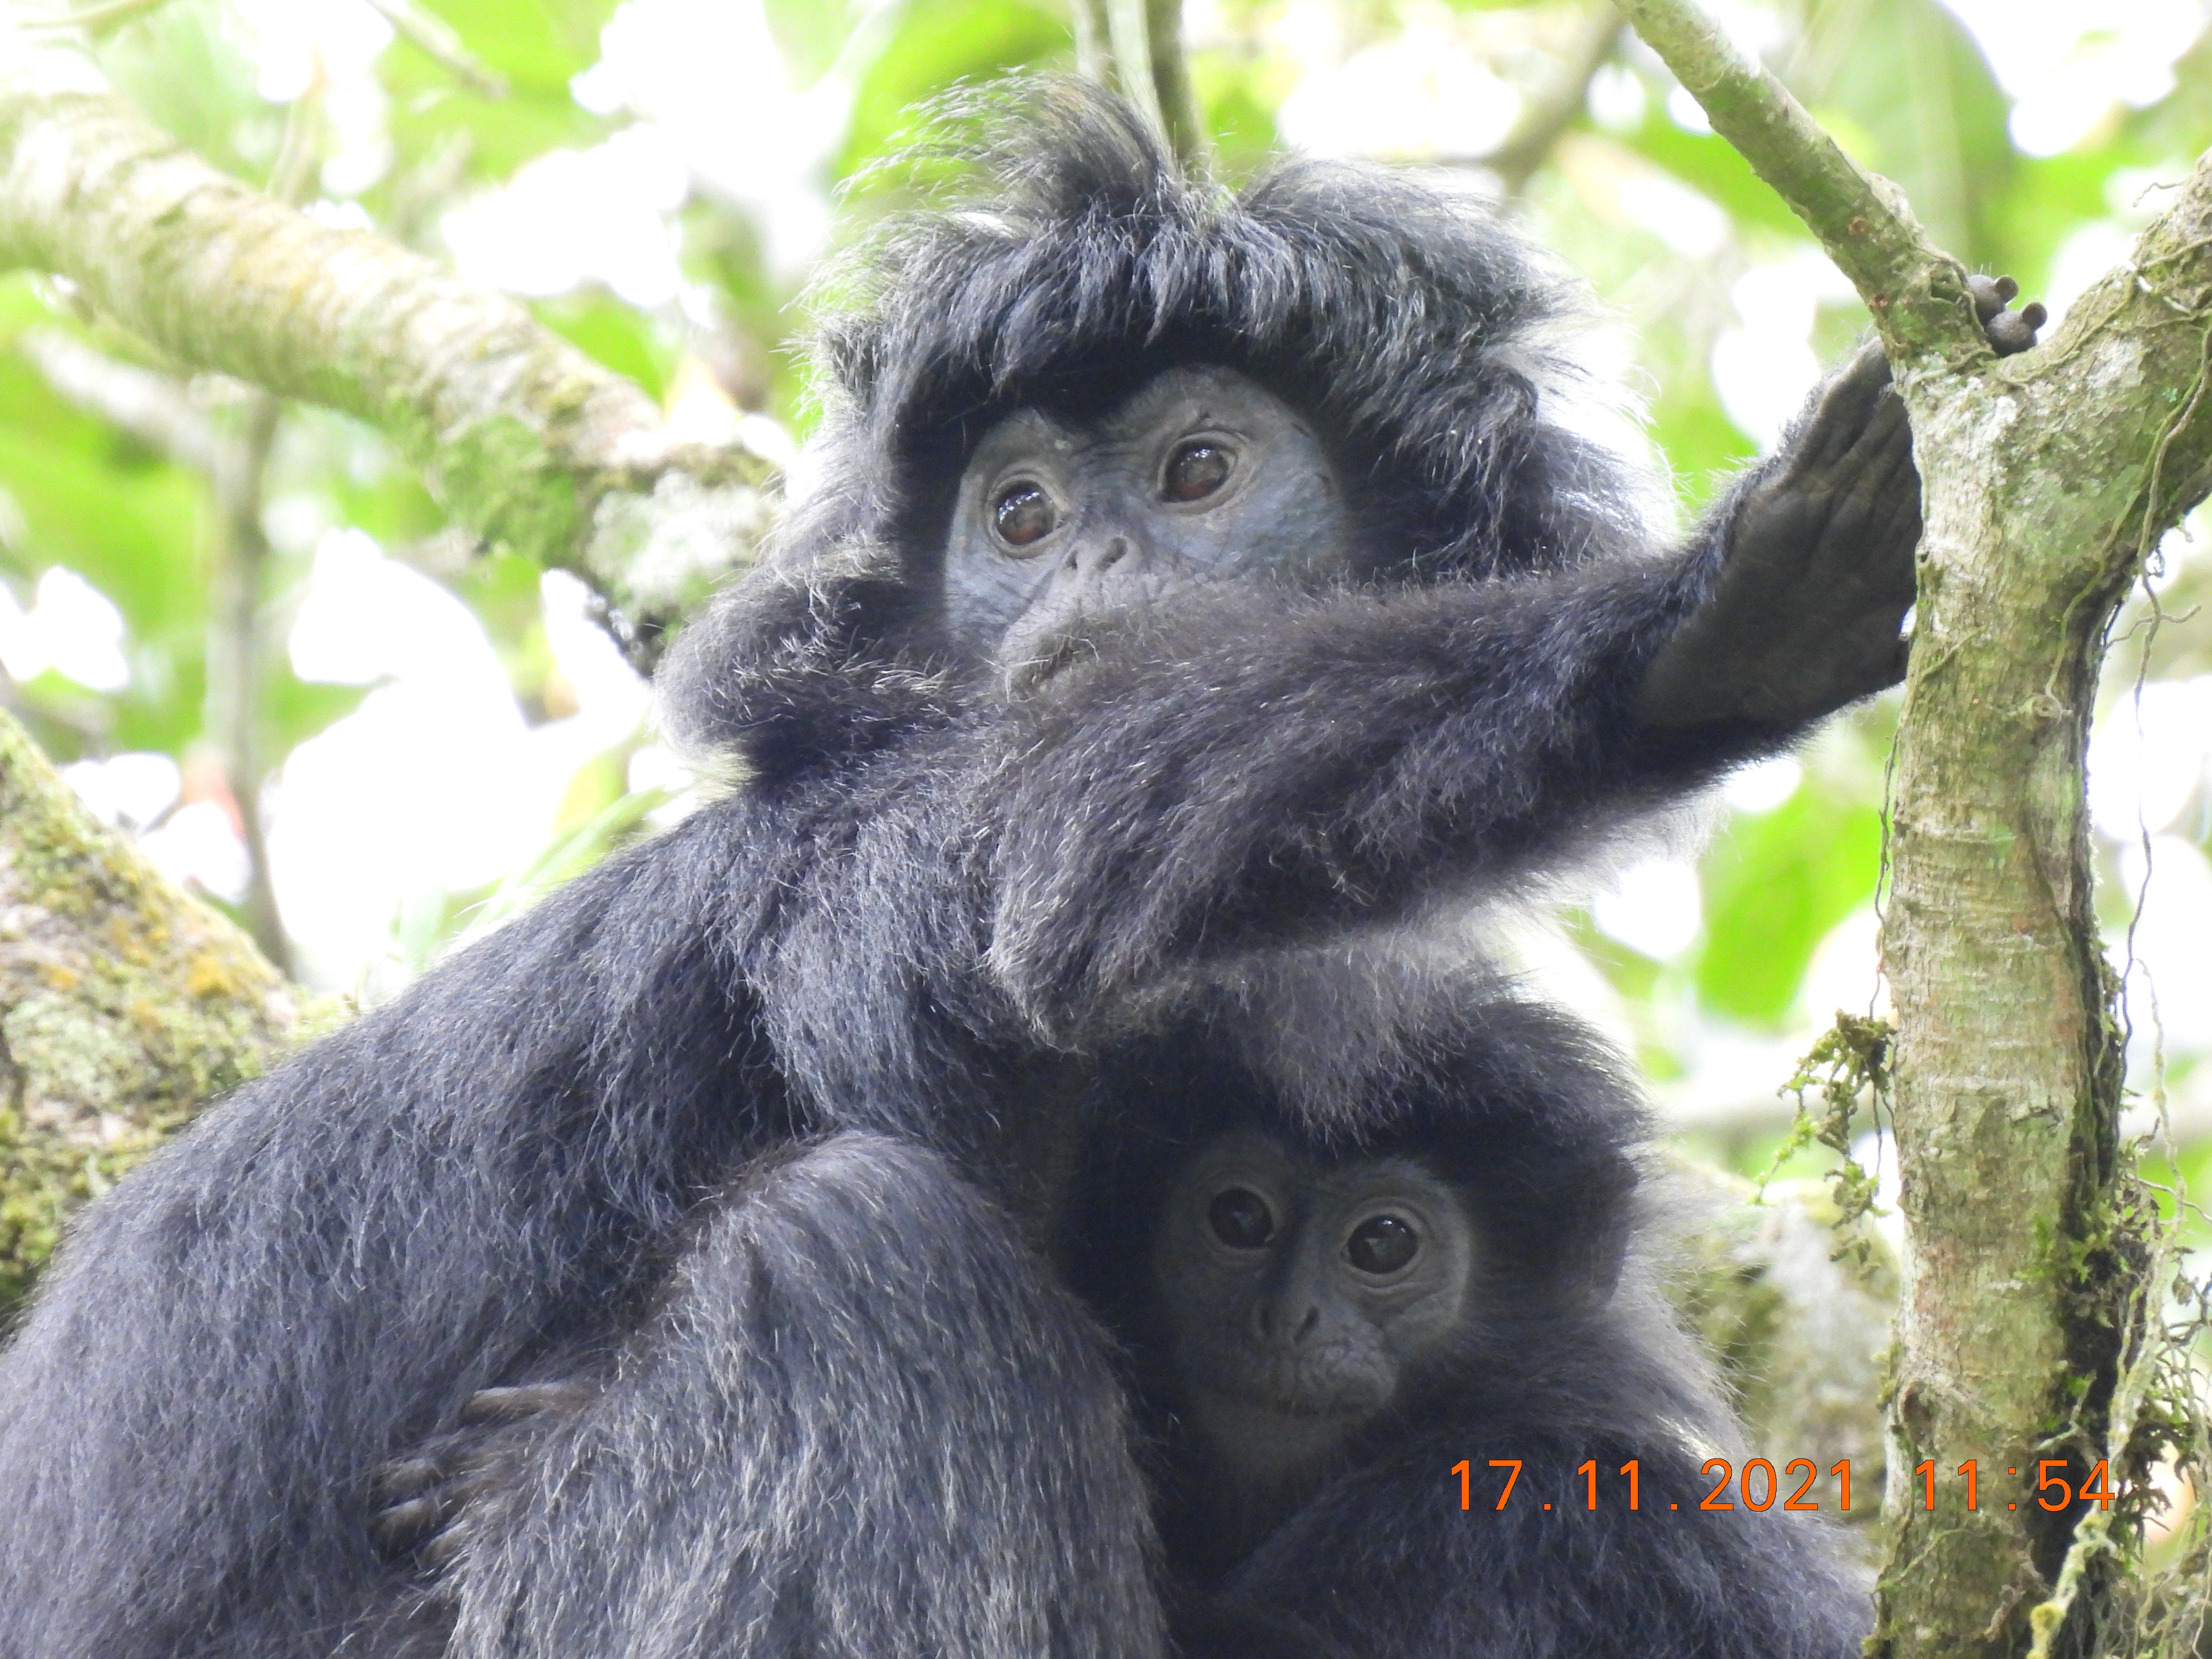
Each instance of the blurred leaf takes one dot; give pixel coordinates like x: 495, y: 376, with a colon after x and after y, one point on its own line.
x: 293, y: 709
x: 179, y: 66
x: 1773, y: 888
x: 934, y: 44
x: 538, y: 47
x: 809, y: 34
x: 1907, y: 74
x: 497, y: 136
x: 1239, y: 115
x: 575, y: 848
x: 612, y: 333
x: 1703, y: 446
x: 1706, y: 161
x: 503, y: 589
x: 129, y: 526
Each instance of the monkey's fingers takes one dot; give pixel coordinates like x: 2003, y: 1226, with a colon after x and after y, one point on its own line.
x: 404, y: 1478
x: 400, y: 1527
x: 2014, y: 331
x: 523, y: 1401
x: 2009, y: 332
x: 1839, y: 417
x: 1882, y: 441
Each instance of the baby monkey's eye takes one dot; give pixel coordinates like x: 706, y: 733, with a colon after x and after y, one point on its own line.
x: 1195, y: 471
x: 1381, y: 1244
x: 1240, y: 1219
x: 1023, y: 515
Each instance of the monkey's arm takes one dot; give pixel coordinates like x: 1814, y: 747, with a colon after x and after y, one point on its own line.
x: 1249, y: 768
x: 233, y: 1339
x: 863, y: 1420
x: 1265, y: 770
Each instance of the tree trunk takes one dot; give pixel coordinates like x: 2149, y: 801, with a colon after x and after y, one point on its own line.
x: 2045, y: 480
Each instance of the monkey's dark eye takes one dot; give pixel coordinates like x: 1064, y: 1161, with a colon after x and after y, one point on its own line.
x: 1240, y: 1219
x: 1023, y: 515
x: 1381, y: 1244
x: 1195, y: 471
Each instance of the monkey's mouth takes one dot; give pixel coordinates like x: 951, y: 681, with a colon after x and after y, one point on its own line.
x: 1282, y: 1386
x: 1043, y: 657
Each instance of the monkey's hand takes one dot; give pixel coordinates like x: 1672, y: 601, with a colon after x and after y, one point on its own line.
x: 1818, y: 571
x: 424, y: 1500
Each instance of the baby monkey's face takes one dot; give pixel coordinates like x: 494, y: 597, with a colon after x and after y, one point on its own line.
x: 1298, y: 1296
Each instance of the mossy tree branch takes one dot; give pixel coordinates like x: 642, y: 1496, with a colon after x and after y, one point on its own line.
x: 123, y: 1004
x: 528, y: 441
x: 2046, y: 479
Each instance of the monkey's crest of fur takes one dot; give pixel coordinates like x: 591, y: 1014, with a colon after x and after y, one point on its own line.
x: 1415, y: 327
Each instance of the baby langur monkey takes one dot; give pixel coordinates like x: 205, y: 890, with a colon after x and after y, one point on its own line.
x: 1295, y: 1301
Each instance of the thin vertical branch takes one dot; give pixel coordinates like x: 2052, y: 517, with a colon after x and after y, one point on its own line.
x: 1094, y: 50
x: 236, y: 659
x: 1136, y: 47
x: 1179, y: 115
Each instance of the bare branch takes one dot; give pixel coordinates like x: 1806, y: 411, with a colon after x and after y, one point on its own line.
x: 1135, y: 46
x: 1179, y: 115
x: 1916, y: 293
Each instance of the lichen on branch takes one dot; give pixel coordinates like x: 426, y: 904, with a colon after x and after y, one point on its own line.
x: 124, y: 1003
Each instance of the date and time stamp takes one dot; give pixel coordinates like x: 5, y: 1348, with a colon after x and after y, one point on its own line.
x: 2058, y: 1485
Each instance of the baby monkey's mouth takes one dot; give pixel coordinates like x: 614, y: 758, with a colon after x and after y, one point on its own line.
x: 1043, y: 659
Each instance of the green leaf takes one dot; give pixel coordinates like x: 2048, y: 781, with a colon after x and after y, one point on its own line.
x: 1773, y: 888
x: 1706, y: 161
x: 180, y: 67
x: 612, y: 333
x: 457, y: 137
x: 809, y: 34
x: 293, y: 709
x: 934, y: 44
x: 1908, y: 76
x: 537, y: 47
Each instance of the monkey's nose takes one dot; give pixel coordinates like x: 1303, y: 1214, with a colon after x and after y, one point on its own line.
x: 1095, y: 558
x: 1275, y: 1321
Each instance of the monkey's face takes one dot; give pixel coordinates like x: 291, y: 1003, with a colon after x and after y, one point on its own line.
x: 1298, y: 1298
x: 1199, y: 476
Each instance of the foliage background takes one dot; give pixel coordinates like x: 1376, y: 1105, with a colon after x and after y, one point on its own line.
x: 439, y: 732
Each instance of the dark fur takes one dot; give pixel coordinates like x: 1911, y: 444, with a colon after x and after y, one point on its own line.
x: 929, y: 917
x: 1569, y: 1353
